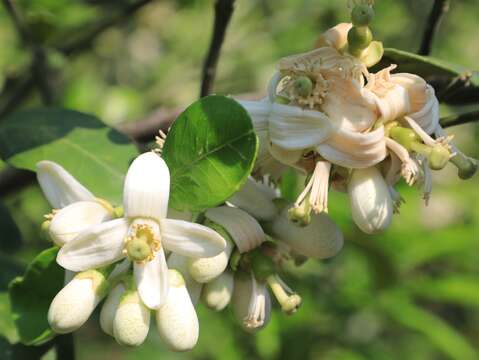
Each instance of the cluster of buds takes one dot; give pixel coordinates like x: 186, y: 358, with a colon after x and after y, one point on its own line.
x: 137, y: 260
x: 330, y: 118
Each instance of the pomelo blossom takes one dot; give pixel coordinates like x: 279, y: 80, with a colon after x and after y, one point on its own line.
x: 143, y: 234
x: 75, y: 208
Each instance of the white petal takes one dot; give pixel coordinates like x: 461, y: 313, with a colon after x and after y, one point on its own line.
x: 180, y: 263
x: 371, y: 203
x: 152, y: 280
x: 75, y: 218
x: 190, y: 239
x: 242, y: 227
x: 72, y: 306
x: 428, y: 116
x: 176, y: 320
x: 217, y: 294
x: 293, y: 128
x: 336, y: 37
x: 98, y: 246
x: 259, y: 112
x: 108, y: 310
x: 321, y: 239
x: 355, y: 150
x: 147, y: 187
x: 132, y: 321
x: 59, y: 186
x: 256, y: 199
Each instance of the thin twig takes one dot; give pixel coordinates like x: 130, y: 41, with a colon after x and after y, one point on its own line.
x: 459, y: 119
x: 439, y: 8
x: 223, y: 11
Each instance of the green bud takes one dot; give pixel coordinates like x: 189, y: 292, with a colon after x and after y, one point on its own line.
x: 362, y: 15
x: 303, y: 86
x: 438, y: 157
x: 466, y: 166
x: 359, y: 39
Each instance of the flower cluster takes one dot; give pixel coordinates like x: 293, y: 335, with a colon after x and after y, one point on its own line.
x: 327, y: 116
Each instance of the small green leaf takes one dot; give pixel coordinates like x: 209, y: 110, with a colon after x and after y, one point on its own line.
x: 210, y: 150
x: 31, y: 295
x: 7, y: 326
x: 98, y: 156
x: 400, y: 308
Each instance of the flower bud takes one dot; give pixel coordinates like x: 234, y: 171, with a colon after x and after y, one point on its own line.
x: 132, y: 320
x: 176, y: 319
x: 73, y: 305
x: 371, y: 203
x: 321, y: 239
x: 204, y: 270
x: 108, y: 310
x: 362, y: 15
x: 217, y: 294
x: 181, y: 263
x: 68, y: 222
x: 466, y: 166
x: 251, y: 303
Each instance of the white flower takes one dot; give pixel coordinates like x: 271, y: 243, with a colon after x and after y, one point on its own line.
x: 217, y: 293
x: 321, y: 239
x: 176, y: 320
x: 181, y: 264
x: 143, y: 234
x: 75, y: 207
x: 370, y: 200
x: 251, y: 302
x: 73, y: 305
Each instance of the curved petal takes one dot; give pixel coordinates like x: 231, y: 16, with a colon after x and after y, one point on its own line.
x: 258, y: 111
x: 293, y: 128
x: 428, y: 116
x: 152, y: 280
x: 59, y: 186
x: 147, y: 187
x: 190, y: 239
x: 74, y: 218
x: 336, y: 37
x: 355, y: 150
x: 98, y: 246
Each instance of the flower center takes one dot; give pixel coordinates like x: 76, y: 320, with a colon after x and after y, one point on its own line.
x: 142, y: 243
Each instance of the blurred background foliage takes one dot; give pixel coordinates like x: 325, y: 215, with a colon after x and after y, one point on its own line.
x: 411, y: 293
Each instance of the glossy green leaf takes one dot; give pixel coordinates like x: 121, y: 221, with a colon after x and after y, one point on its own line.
x: 31, y: 295
x: 97, y: 155
x: 210, y: 150
x: 401, y: 309
x: 7, y: 326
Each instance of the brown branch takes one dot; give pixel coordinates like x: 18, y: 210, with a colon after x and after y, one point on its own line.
x: 439, y: 8
x: 459, y: 119
x: 223, y: 11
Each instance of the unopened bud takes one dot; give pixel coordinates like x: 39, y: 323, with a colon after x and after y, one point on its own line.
x: 181, y: 263
x: 217, y: 294
x: 176, y: 319
x: 132, y: 320
x: 73, y: 305
x: 362, y: 15
x: 466, y: 166
x: 108, y: 310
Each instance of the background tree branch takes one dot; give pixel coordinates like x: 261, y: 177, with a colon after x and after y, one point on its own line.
x: 439, y: 8
x: 223, y: 12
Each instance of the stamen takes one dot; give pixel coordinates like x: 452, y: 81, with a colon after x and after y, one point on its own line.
x: 409, y: 168
x: 289, y: 300
x: 427, y: 139
x: 317, y: 188
x: 160, y: 142
x: 142, y: 243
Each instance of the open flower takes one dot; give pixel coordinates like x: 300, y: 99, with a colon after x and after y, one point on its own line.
x: 143, y: 234
x: 75, y: 208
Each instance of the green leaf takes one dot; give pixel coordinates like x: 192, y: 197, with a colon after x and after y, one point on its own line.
x: 400, y: 308
x: 97, y: 155
x: 7, y: 326
x: 424, y: 66
x: 455, y: 288
x: 210, y: 150
x: 31, y: 295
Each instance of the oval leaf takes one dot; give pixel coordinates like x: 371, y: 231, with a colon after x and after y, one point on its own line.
x: 97, y: 155
x: 210, y: 150
x: 31, y: 295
